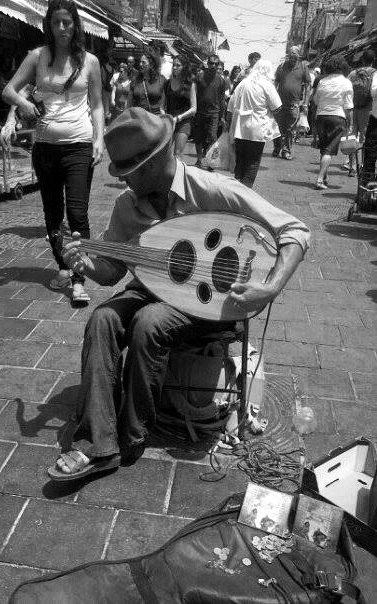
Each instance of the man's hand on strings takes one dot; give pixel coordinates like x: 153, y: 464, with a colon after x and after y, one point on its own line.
x: 252, y: 296
x: 73, y: 256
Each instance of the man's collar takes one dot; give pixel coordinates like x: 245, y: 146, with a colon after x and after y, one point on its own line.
x: 178, y: 184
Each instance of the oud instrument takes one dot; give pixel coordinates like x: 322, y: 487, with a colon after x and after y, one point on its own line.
x: 191, y: 261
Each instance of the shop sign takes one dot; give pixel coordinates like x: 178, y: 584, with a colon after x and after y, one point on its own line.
x: 8, y: 27
x: 121, y: 43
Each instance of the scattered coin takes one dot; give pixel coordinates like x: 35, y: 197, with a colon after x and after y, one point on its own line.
x: 217, y: 551
x: 246, y: 561
x: 223, y: 556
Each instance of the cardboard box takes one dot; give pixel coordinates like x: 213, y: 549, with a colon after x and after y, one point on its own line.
x: 346, y: 477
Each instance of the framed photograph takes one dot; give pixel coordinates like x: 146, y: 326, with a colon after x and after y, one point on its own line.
x: 318, y: 522
x: 266, y: 509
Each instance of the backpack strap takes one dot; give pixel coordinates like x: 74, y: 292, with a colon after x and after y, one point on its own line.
x: 332, y: 583
x: 142, y: 582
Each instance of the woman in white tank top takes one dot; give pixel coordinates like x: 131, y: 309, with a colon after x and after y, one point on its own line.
x: 70, y: 125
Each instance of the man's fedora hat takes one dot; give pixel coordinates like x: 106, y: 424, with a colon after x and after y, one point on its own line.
x: 135, y: 137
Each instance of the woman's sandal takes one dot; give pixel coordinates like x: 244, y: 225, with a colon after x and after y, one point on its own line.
x: 79, y: 295
x: 80, y: 468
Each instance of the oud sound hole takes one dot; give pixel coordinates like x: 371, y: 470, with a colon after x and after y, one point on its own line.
x: 213, y: 239
x: 225, y: 269
x: 182, y: 260
x: 204, y: 292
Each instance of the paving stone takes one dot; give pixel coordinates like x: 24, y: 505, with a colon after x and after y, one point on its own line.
x: 6, y: 256
x: 26, y: 384
x: 141, y: 487
x: 62, y: 332
x: 351, y: 422
x: 275, y: 329
x: 33, y: 423
x: 369, y: 318
x: 139, y: 534
x: 12, y: 308
x: 291, y: 353
x: 3, y: 403
x: 339, y: 274
x: 10, y: 507
x: 288, y: 312
x: 319, y: 445
x: 16, y: 329
x: 7, y: 290
x: 319, y: 333
x: 333, y: 315
x: 365, y: 386
x: 66, y: 390
x: 58, y: 535
x: 349, y: 359
x: 11, y: 576
x: 359, y: 337
x: 192, y: 497
x: 327, y: 383
x: 59, y: 311
x: 24, y: 353
x: 323, y: 285
x: 38, y: 292
x: 6, y: 449
x: 26, y: 474
x: 63, y: 357
x: 281, y: 369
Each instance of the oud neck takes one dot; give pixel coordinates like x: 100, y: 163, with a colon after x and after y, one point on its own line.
x: 131, y: 255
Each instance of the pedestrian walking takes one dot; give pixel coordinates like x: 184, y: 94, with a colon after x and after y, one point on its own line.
x: 69, y: 131
x: 180, y: 93
x: 210, y: 108
x: 292, y: 81
x: 148, y: 88
x: 361, y: 79
x: 334, y: 101
x: 252, y: 58
x: 120, y: 89
x: 250, y: 119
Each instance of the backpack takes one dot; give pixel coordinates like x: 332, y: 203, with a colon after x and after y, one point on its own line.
x: 362, y: 83
x: 187, y: 570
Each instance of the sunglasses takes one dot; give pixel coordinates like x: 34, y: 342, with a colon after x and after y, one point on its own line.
x: 213, y: 63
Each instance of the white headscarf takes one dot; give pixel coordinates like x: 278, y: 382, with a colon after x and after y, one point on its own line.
x: 262, y: 69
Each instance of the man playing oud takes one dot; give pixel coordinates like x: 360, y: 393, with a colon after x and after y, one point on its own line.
x: 112, y: 428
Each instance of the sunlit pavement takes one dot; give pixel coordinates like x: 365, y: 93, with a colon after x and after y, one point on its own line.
x: 322, y: 334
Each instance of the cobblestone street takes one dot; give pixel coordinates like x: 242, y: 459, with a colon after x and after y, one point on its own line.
x: 321, y: 346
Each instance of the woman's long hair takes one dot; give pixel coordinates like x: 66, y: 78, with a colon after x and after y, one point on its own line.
x: 154, y: 67
x: 186, y: 73
x: 77, y: 42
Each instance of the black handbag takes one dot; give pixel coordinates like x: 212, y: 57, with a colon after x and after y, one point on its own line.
x: 186, y: 570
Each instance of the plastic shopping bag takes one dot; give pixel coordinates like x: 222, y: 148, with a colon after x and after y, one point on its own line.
x: 221, y: 155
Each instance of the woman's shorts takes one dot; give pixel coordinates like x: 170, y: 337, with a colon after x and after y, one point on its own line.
x: 330, y: 129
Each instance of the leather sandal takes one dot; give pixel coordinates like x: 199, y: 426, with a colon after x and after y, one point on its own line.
x: 79, y: 468
x: 79, y: 295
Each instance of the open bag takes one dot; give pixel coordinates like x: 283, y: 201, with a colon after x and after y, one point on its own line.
x: 184, y: 570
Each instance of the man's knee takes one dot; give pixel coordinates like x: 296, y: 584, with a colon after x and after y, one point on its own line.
x: 103, y: 320
x: 147, y: 327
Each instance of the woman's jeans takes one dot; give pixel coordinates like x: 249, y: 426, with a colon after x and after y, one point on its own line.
x: 64, y: 171
x: 248, y: 158
x: 109, y: 421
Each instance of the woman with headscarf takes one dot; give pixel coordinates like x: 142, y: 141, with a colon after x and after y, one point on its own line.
x: 250, y: 118
x: 69, y: 132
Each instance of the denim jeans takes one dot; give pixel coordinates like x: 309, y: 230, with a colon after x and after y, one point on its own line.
x: 248, y: 158
x: 107, y: 422
x: 64, y: 171
x: 288, y: 119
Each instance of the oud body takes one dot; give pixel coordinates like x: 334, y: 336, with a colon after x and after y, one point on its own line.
x: 191, y: 261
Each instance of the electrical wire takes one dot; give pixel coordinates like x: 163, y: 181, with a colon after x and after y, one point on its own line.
x: 250, y: 10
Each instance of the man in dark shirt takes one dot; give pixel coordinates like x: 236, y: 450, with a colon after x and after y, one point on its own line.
x: 210, y: 91
x: 292, y: 81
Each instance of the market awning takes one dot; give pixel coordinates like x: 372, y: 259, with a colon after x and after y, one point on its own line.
x: 23, y: 11
x: 129, y: 32
x: 92, y: 25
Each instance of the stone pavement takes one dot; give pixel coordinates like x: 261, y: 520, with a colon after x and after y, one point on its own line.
x: 322, y: 337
